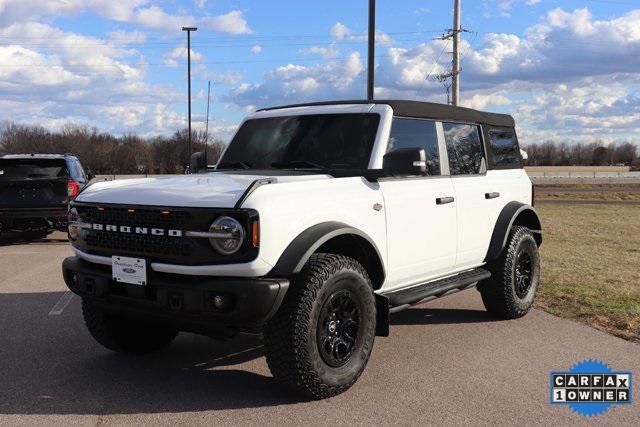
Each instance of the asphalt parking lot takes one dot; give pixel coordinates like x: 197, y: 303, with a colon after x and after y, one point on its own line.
x: 446, y: 362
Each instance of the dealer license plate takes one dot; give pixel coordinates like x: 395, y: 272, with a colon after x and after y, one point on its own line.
x: 129, y: 270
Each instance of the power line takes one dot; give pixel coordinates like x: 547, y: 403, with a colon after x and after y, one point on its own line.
x: 257, y: 61
x: 229, y: 39
x: 200, y: 45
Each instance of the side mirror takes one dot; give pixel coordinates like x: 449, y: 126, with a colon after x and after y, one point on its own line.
x: 198, y: 162
x: 405, y: 162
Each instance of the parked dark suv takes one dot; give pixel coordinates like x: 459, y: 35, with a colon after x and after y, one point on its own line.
x: 35, y: 190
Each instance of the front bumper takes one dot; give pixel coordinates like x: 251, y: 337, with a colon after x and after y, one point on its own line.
x: 26, y: 219
x: 184, y: 301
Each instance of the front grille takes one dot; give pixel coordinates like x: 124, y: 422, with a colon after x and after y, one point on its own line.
x: 175, y: 219
x: 142, y: 244
x: 155, y: 248
x: 131, y: 243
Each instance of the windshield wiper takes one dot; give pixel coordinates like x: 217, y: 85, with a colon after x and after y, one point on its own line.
x: 297, y: 164
x: 234, y: 165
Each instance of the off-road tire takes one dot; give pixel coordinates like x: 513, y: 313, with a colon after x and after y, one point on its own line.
x: 499, y: 293
x: 292, y: 338
x: 125, y: 335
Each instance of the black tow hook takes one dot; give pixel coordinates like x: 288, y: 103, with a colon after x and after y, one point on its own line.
x: 176, y: 301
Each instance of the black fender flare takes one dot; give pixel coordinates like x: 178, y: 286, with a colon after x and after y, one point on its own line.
x: 298, y: 252
x: 514, y: 213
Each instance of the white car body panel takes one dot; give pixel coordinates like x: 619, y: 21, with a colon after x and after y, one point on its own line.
x: 420, y: 234
x: 288, y: 209
x: 418, y: 240
x: 477, y: 215
x: 203, y: 190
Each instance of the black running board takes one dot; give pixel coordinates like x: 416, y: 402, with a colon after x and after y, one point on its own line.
x: 403, y: 298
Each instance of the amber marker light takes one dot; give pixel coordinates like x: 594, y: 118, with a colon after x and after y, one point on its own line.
x: 165, y: 212
x: 101, y: 209
x: 255, y: 233
x: 131, y: 210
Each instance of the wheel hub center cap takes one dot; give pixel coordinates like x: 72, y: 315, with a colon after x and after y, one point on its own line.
x: 333, y: 326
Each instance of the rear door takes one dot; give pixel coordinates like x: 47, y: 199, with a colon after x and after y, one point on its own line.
x: 33, y: 183
x: 478, y: 201
x: 420, y: 211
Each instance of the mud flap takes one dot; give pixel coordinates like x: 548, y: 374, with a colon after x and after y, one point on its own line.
x: 382, y: 316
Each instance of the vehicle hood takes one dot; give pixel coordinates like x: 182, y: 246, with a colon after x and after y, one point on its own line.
x: 205, y: 190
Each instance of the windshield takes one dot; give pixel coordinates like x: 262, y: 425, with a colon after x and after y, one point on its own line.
x: 11, y: 169
x: 323, y: 141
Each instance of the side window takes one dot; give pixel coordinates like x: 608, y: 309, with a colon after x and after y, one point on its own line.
x: 464, y: 149
x: 75, y: 170
x: 503, y: 151
x: 83, y: 175
x: 416, y: 133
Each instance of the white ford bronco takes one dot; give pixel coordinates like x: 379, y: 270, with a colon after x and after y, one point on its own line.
x: 318, y: 221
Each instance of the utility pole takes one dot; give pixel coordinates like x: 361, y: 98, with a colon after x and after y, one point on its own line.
x: 455, y: 78
x: 371, y: 50
x: 206, y: 132
x: 188, y: 30
x: 453, y: 88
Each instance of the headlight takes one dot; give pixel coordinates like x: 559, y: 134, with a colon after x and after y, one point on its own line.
x: 229, y: 235
x: 72, y: 224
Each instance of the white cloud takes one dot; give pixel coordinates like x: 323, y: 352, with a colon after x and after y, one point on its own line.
x: 568, y: 76
x: 326, y: 52
x: 13, y: 11
x: 481, y: 102
x: 96, y: 85
x: 126, y: 37
x: 230, y: 23
x: 339, y: 31
x: 226, y: 78
x: 180, y: 52
x: 293, y: 83
x: 256, y: 49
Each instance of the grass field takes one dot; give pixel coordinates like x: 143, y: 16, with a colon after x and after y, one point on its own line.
x: 577, y: 168
x: 591, y: 263
x: 599, y: 192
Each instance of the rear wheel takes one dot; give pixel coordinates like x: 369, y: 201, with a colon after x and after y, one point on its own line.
x: 125, y: 335
x: 320, y: 341
x: 515, y: 276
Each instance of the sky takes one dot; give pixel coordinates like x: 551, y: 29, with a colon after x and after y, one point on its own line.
x: 566, y: 70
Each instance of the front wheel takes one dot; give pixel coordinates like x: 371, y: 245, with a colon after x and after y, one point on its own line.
x: 319, y: 342
x: 515, y: 277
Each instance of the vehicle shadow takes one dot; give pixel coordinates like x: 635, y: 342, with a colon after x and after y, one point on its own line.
x: 15, y: 241
x: 440, y: 316
x: 51, y: 365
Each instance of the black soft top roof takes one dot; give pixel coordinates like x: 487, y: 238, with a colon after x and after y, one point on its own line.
x: 424, y: 110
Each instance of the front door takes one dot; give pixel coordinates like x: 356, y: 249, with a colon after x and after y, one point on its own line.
x: 420, y: 211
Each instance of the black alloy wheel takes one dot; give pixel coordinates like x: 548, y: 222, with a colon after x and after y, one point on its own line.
x: 523, y: 273
x: 338, y: 328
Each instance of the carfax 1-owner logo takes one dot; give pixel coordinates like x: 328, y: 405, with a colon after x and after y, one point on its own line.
x: 590, y: 388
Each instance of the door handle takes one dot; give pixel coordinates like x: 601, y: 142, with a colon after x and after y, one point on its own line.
x: 493, y: 195
x: 444, y: 200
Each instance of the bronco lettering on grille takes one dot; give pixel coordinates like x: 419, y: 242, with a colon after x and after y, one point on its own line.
x: 137, y: 230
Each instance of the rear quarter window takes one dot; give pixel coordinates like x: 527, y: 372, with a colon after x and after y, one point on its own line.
x: 503, y: 149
